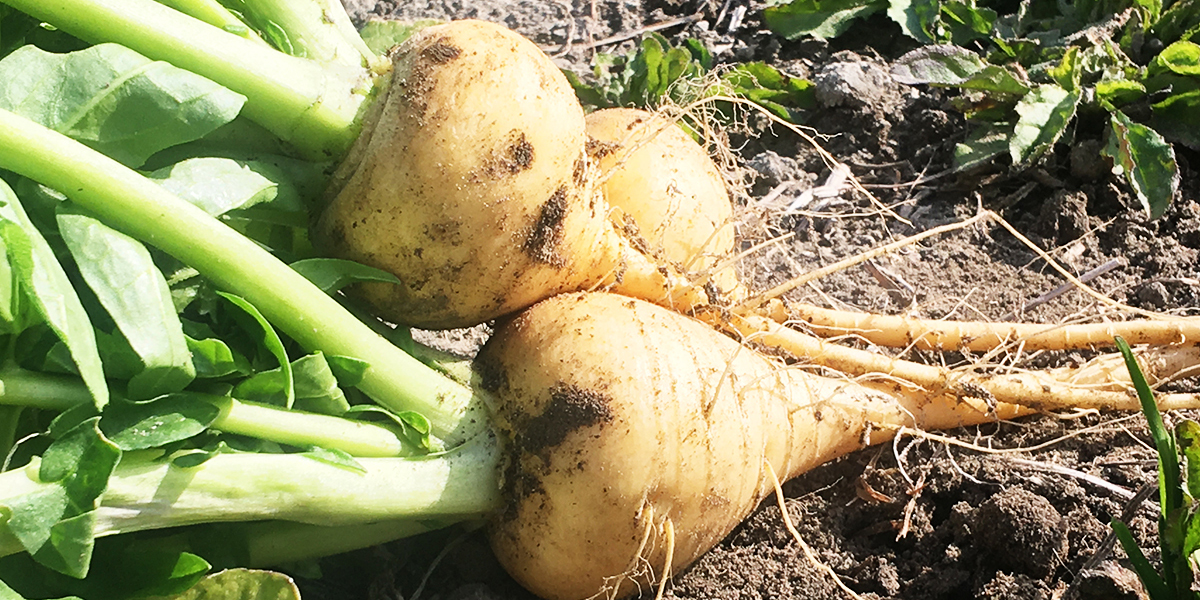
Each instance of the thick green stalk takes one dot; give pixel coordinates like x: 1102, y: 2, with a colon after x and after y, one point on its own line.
x: 19, y: 387
x: 314, y: 106
x: 127, y: 201
x: 144, y: 493
x: 214, y: 13
x: 315, y: 29
x: 295, y: 428
x: 22, y: 388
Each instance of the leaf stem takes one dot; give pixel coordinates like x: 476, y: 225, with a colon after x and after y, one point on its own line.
x: 136, y: 206
x: 314, y: 106
x: 149, y: 493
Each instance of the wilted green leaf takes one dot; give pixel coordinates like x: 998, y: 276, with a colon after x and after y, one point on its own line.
x: 46, y: 286
x: 1178, y: 118
x: 1044, y: 115
x: 114, y: 99
x: 820, y: 19
x: 134, y: 292
x: 1147, y: 161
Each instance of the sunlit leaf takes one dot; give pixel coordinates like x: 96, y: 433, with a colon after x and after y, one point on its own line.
x: 820, y: 19
x: 1044, y: 114
x: 1147, y: 161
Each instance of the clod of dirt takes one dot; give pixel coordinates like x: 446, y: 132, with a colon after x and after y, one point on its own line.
x: 1065, y: 217
x: 1021, y: 532
x: 1109, y: 581
x: 773, y: 169
x: 854, y: 81
x: 1013, y: 587
x: 1086, y: 162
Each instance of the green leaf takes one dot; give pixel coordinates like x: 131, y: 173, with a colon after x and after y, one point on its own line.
x: 1178, y: 21
x: 1114, y: 93
x: 1169, y: 482
x: 1178, y: 118
x: 918, y: 19
x: 414, y: 427
x: 822, y: 19
x: 114, y: 99
x: 333, y: 274
x: 1181, y: 58
x: 240, y: 186
x: 9, y: 309
x: 967, y: 23
x: 158, y: 422
x: 55, y: 524
x: 316, y: 388
x: 1147, y: 161
x: 269, y: 339
x: 1154, y: 583
x: 982, y: 145
x: 214, y: 359
x: 1187, y: 436
x: 334, y: 458
x: 243, y: 584
x: 46, y: 286
x: 383, y: 35
x: 119, y: 270
x: 1067, y: 72
x: 949, y: 65
x: 348, y: 370
x: 1044, y: 114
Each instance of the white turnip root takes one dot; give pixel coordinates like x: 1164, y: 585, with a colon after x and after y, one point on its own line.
x: 474, y: 189
x: 667, y: 183
x: 639, y: 437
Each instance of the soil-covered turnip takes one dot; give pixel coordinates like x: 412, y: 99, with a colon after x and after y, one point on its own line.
x: 637, y: 436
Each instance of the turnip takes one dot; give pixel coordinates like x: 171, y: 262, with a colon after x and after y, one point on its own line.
x: 631, y: 440
x: 461, y: 160
x: 654, y: 172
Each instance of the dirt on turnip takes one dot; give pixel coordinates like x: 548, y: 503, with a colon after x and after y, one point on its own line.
x: 920, y: 519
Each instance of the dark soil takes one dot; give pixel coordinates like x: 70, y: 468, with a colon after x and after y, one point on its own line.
x: 918, y: 519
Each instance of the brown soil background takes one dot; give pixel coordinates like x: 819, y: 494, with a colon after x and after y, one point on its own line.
x: 979, y: 525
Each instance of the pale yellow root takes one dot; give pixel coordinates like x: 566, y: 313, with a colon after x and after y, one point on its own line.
x: 924, y: 334
x: 1104, y: 389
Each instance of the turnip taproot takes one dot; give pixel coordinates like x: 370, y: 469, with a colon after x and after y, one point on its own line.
x: 626, y: 421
